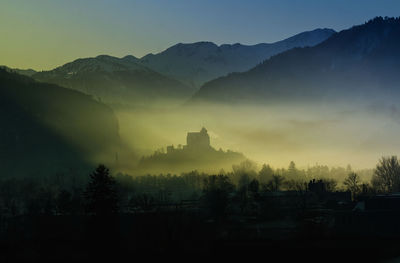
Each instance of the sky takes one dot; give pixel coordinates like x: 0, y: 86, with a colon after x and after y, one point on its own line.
x: 44, y: 34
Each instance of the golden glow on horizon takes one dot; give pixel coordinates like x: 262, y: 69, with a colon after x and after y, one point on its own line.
x: 34, y: 36
x: 335, y: 135
x: 44, y: 34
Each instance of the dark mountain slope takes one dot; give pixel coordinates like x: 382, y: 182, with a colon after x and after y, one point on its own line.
x: 115, y: 80
x: 363, y: 61
x: 46, y: 128
x: 153, y: 78
x: 25, y: 72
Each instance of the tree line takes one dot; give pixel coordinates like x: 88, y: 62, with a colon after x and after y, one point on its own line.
x: 102, y: 193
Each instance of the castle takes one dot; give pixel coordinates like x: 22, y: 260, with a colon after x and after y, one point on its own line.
x: 198, y: 140
x: 195, y: 141
x: 197, y: 154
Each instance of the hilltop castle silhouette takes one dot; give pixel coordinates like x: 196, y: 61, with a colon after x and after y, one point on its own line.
x: 197, y: 154
x: 196, y: 141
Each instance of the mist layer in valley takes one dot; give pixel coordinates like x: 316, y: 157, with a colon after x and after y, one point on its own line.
x: 334, y: 134
x: 328, y: 98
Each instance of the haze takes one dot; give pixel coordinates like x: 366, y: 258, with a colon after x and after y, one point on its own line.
x: 334, y: 135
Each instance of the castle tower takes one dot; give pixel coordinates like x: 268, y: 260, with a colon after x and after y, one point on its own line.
x: 198, y: 140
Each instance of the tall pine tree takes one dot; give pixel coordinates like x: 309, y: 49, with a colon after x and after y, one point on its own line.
x: 101, y: 194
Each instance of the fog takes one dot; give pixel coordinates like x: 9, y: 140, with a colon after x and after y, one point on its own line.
x: 334, y: 134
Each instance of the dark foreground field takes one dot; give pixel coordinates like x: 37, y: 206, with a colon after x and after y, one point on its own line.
x: 189, y: 235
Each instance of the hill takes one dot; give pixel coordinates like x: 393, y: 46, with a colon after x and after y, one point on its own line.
x: 115, y: 80
x: 25, y: 72
x: 47, y: 129
x: 198, y: 154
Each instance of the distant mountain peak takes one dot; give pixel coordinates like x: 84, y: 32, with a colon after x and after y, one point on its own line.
x: 105, y: 57
x: 101, y: 63
x: 116, y: 80
x: 182, y: 49
x: 199, y: 62
x: 362, y: 61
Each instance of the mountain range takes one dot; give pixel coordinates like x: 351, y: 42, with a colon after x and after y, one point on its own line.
x: 175, y: 73
x: 53, y: 118
x: 360, y: 62
x: 197, y: 63
x: 115, y: 80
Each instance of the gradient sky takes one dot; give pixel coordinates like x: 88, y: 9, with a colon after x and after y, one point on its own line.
x: 43, y: 34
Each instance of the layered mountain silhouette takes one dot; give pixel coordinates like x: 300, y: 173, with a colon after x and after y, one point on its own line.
x: 363, y: 61
x: 175, y: 73
x: 46, y: 128
x: 115, y: 80
x: 197, y: 63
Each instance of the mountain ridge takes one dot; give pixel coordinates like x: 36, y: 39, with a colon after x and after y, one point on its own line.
x: 173, y: 74
x: 115, y: 80
x: 354, y: 61
x: 199, y: 62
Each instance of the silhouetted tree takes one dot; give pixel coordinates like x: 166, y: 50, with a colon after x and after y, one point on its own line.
x: 295, y: 185
x: 265, y: 174
x: 353, y: 184
x: 301, y: 188
x: 386, y: 176
x: 277, y: 182
x: 330, y: 184
x: 367, y: 190
x: 254, y: 186
x: 244, y: 181
x: 216, y: 194
x: 247, y: 168
x: 274, y: 184
x: 101, y: 194
x: 243, y: 198
x: 292, y: 170
x: 317, y: 186
x: 143, y: 201
x: 253, y: 189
